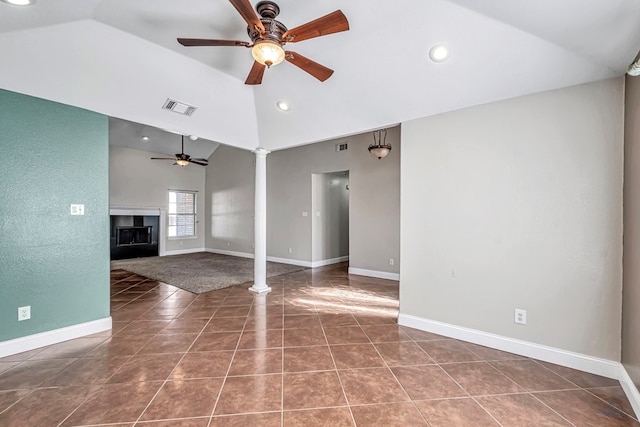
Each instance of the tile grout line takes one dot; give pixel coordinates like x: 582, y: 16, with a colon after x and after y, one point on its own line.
x: 588, y: 390
x: 551, y: 409
x: 82, y: 402
x: 344, y: 392
x: 179, y: 361
x: 487, y: 362
x: 150, y: 302
x: 469, y: 395
x: 282, y: 375
x: 530, y: 393
x: 398, y: 381
x: 98, y: 388
x: 233, y: 356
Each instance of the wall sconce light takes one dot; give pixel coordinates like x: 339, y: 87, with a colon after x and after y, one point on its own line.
x: 380, y: 148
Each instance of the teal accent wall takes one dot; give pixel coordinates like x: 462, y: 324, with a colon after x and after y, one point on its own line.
x: 52, y: 155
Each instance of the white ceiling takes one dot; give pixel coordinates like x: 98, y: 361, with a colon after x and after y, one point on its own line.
x: 120, y: 58
x: 124, y: 133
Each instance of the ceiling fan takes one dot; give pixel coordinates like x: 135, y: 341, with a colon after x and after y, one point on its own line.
x: 268, y: 36
x: 182, y: 159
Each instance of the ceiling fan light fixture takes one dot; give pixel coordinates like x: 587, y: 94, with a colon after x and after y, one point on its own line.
x: 182, y: 162
x: 439, y: 53
x: 267, y: 52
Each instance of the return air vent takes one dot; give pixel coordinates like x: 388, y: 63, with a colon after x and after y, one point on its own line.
x: 342, y: 146
x: 178, y: 107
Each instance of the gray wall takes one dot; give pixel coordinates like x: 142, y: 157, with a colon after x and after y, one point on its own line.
x: 374, y: 205
x: 518, y: 204
x: 631, y: 286
x: 374, y: 200
x: 139, y: 182
x: 230, y: 185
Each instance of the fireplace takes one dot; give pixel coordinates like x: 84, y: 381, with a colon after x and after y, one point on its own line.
x: 128, y: 236
x: 134, y: 236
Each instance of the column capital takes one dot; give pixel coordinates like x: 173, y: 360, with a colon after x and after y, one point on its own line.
x: 261, y: 152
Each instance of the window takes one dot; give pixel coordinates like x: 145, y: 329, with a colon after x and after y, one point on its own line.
x: 182, y: 214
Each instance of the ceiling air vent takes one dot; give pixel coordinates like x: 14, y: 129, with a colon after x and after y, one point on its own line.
x: 342, y: 146
x: 178, y: 107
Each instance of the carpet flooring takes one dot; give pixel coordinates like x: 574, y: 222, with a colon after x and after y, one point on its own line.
x: 200, y: 272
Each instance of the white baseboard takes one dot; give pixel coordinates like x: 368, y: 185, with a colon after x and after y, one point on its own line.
x: 182, y: 251
x: 594, y: 365
x: 42, y: 339
x: 373, y: 273
x: 630, y: 390
x: 582, y: 362
x: 289, y: 261
x: 281, y: 260
x: 330, y: 261
x: 231, y: 253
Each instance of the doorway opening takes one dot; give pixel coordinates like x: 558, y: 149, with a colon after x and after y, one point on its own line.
x: 330, y: 218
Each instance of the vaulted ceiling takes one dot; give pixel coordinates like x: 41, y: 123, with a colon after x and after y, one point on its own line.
x: 121, y: 58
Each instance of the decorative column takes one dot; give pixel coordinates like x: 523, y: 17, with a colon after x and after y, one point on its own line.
x: 260, y: 258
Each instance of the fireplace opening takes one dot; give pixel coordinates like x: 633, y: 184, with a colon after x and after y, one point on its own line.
x: 127, y: 236
x: 134, y: 236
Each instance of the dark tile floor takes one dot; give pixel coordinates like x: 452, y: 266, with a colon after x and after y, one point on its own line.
x: 322, y: 349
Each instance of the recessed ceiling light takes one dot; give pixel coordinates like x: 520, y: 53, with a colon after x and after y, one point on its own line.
x: 146, y: 138
x: 283, y: 106
x: 193, y: 137
x: 20, y: 2
x: 439, y: 53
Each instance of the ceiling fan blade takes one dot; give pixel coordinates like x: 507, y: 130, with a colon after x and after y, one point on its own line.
x: 318, y: 71
x: 198, y: 163
x: 198, y: 159
x: 256, y: 73
x: 328, y: 24
x: 245, y: 9
x: 163, y: 158
x: 211, y: 42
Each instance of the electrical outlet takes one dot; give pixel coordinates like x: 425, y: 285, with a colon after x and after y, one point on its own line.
x: 391, y: 261
x: 24, y: 313
x: 520, y: 316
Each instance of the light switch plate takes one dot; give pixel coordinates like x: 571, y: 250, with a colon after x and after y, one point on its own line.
x: 77, y: 209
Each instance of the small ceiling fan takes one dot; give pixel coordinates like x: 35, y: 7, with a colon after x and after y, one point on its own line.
x: 182, y: 159
x: 268, y: 36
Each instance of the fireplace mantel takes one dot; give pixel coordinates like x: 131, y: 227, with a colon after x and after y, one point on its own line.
x: 124, y: 210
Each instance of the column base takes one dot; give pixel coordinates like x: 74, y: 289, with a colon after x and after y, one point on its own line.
x: 260, y: 290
